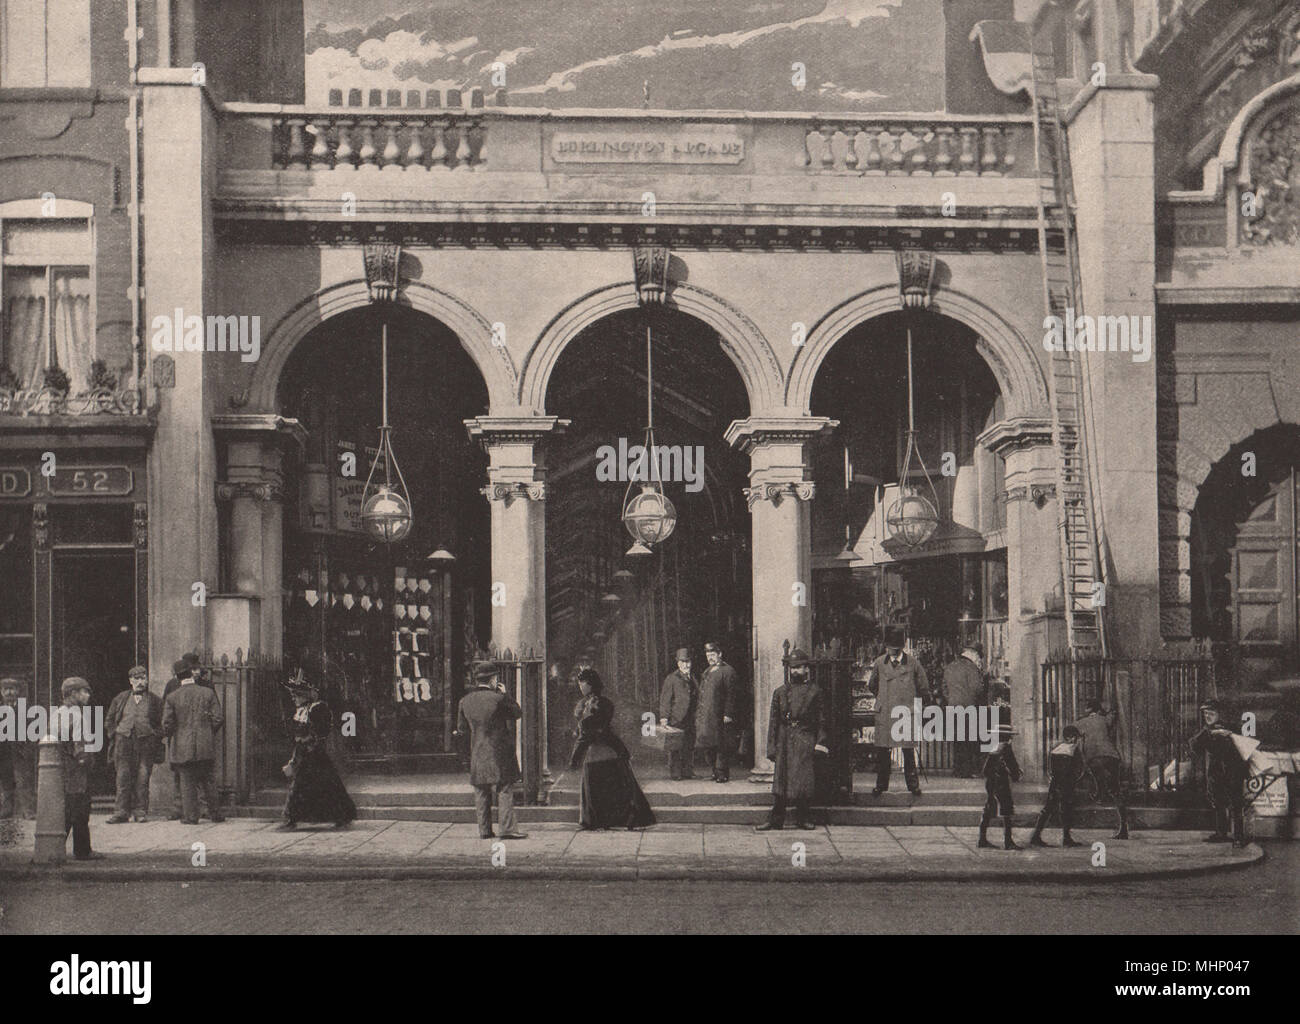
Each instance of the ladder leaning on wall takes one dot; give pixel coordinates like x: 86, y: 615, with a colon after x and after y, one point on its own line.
x: 1081, y: 557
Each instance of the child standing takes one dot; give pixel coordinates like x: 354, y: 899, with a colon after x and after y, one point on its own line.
x: 1065, y: 762
x: 1000, y: 770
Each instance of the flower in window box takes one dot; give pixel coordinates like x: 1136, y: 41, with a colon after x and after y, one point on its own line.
x: 57, y: 380
x: 100, y: 377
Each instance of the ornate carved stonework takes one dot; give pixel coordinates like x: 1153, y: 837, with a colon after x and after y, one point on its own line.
x: 1275, y: 168
x: 513, y: 492
x: 650, y: 264
x: 1039, y: 494
x: 140, y: 521
x: 382, y: 262
x: 164, y: 371
x: 777, y: 493
x: 41, y: 527
x: 915, y: 277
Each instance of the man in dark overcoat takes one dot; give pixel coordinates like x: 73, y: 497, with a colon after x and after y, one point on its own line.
x: 963, y: 687
x: 1225, y: 775
x: 77, y: 757
x: 172, y: 685
x: 715, y: 718
x: 134, y: 728
x: 897, y: 679
x: 796, y: 733
x: 677, y: 699
x: 192, y: 717
x: 485, y: 714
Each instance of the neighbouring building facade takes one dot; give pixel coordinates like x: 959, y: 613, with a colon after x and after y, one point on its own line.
x: 215, y: 281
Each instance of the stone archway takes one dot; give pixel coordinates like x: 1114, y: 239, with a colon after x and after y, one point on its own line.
x: 742, y: 341
x: 471, y: 328
x: 1009, y: 355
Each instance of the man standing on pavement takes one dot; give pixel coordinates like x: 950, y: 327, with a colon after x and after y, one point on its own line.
x: 485, y: 715
x: 796, y: 733
x: 1100, y: 752
x: 77, y: 758
x: 898, y: 679
x: 173, y: 684
x: 715, y: 717
x: 17, y: 762
x: 134, y: 727
x: 192, y: 717
x: 963, y: 687
x: 677, y: 709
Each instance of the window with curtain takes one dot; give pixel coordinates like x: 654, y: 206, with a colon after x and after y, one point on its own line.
x: 44, y: 43
x: 47, y: 300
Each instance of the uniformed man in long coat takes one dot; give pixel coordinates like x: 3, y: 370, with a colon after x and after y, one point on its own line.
x: 796, y: 733
x: 677, y: 701
x: 485, y: 715
x: 1225, y: 776
x: 963, y: 687
x: 715, y: 717
x: 898, y: 679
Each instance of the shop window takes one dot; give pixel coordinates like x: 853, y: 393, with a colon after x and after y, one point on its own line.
x: 98, y: 524
x: 44, y: 43
x: 16, y: 618
x: 48, y: 319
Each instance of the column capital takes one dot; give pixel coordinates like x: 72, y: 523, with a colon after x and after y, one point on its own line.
x: 515, y: 491
x: 748, y: 434
x: 259, y: 489
x: 490, y: 430
x: 1017, y: 434
x: 778, y: 492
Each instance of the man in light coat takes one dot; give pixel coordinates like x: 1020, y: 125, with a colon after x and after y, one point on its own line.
x: 192, y: 717
x: 677, y: 701
x: 963, y: 687
x: 898, y: 679
x: 484, y: 715
x: 715, y: 716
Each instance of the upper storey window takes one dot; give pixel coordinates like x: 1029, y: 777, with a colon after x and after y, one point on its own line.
x: 44, y: 43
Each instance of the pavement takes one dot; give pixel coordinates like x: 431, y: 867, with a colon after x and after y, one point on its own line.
x: 252, y: 849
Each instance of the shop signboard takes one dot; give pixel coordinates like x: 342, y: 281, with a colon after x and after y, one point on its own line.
x: 350, y: 489
x: 91, y: 482
x: 15, y: 482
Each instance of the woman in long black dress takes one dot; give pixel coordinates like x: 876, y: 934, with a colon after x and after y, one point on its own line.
x: 316, y: 792
x: 610, y: 796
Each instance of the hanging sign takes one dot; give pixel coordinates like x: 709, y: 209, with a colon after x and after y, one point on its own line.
x: 349, y: 490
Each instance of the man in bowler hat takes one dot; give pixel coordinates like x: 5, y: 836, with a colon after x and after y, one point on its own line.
x: 485, y: 714
x: 677, y: 702
x: 898, y: 680
x: 715, y: 716
x: 192, y: 717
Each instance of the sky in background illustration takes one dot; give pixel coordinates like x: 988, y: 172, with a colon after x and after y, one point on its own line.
x: 696, y: 54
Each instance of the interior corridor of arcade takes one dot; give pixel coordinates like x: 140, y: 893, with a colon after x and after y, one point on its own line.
x: 387, y: 628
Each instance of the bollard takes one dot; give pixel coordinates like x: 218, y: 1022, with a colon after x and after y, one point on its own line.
x: 51, y: 825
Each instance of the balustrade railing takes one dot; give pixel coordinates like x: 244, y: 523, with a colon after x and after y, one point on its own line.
x: 937, y: 149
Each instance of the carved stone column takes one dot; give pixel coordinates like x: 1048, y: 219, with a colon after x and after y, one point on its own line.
x: 779, y: 498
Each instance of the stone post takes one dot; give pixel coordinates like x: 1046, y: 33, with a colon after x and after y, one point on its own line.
x: 51, y: 830
x: 779, y: 498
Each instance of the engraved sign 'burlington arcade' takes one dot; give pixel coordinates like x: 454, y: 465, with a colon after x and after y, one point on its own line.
x: 687, y: 145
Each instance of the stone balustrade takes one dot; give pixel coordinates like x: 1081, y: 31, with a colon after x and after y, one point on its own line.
x: 935, y: 148
x: 437, y: 130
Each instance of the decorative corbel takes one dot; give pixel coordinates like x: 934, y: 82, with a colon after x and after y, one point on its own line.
x: 650, y: 265
x: 915, y: 277
x: 382, y: 274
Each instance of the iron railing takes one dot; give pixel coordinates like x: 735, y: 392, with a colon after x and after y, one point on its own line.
x: 254, y: 742
x: 523, y: 674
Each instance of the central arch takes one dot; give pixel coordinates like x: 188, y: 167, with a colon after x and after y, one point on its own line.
x: 742, y: 341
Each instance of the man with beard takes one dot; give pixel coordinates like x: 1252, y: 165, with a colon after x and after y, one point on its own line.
x: 677, y: 709
x: 134, y: 728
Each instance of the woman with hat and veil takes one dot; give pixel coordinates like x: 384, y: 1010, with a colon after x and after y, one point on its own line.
x: 610, y: 795
x: 316, y: 793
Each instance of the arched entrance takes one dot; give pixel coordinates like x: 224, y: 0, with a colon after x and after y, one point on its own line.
x: 390, y: 629
x: 627, y: 615
x: 954, y: 588
x: 1244, y: 551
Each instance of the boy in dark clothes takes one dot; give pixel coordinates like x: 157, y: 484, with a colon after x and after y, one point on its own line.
x: 1000, y: 769
x: 1225, y: 775
x: 1065, y: 761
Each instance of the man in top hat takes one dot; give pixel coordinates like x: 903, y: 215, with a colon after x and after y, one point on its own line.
x: 677, y: 702
x: 963, y: 687
x: 134, y: 726
x: 1100, y: 752
x: 1225, y: 775
x: 17, y: 761
x: 192, y: 717
x: 715, y: 716
x: 898, y: 679
x: 485, y: 714
x: 77, y: 758
x: 796, y: 733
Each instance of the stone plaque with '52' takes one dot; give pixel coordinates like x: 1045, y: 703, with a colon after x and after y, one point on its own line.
x: 687, y: 145
x: 89, y: 481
